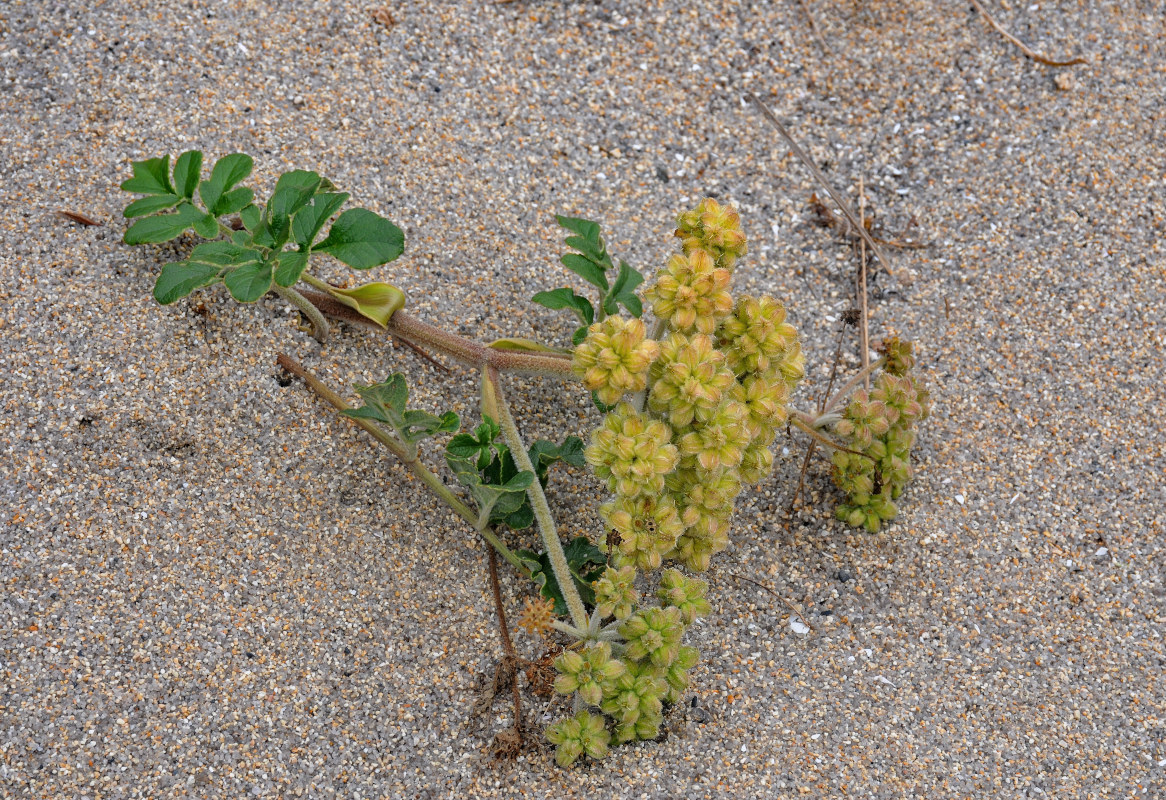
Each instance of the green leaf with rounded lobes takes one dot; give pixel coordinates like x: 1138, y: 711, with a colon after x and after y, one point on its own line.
x: 234, y: 200
x: 207, y: 227
x: 375, y: 301
x: 151, y: 204
x: 362, y: 239
x: 180, y: 278
x: 385, y: 403
x: 251, y: 215
x: 623, y: 292
x: 187, y: 168
x: 292, y: 192
x: 586, y: 269
x: 311, y: 218
x: 291, y: 265
x: 163, y: 227
x: 225, y: 254
x: 151, y: 176
x: 249, y: 282
x: 566, y: 298
x: 227, y: 172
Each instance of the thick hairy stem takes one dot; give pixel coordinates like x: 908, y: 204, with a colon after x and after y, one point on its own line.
x: 467, y: 351
x: 401, y: 451
x: 542, y: 510
x: 319, y: 324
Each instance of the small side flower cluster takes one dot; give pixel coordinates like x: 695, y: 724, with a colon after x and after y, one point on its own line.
x: 628, y: 680
x: 697, y: 407
x: 879, y: 426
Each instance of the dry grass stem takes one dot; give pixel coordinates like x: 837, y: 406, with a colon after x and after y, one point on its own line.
x: 817, y: 173
x: 1035, y: 56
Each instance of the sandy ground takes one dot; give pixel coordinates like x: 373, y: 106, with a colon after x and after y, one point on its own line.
x: 212, y: 587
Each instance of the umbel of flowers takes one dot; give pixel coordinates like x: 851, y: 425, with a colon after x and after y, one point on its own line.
x: 695, y: 408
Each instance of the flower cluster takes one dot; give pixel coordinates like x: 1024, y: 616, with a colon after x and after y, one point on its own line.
x: 878, y: 426
x: 711, y: 395
x: 614, y: 358
x: 715, y: 229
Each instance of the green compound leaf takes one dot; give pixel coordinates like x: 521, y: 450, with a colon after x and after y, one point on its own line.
x: 151, y: 204
x: 292, y: 192
x: 585, y: 562
x: 477, y: 461
x: 543, y: 454
x: 180, y: 278
x: 233, y: 201
x: 151, y: 176
x: 566, y: 298
x: 579, y: 335
x: 479, y: 447
x: 580, y: 227
x: 586, y: 269
x: 311, y: 218
x: 385, y: 403
x: 623, y: 292
x: 163, y: 227
x: 252, y: 216
x: 227, y: 172
x: 187, y: 169
x: 249, y: 282
x: 291, y: 265
x: 207, y: 227
x: 225, y: 254
x: 362, y: 239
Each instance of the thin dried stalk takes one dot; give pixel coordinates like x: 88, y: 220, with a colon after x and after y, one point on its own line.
x: 1035, y: 56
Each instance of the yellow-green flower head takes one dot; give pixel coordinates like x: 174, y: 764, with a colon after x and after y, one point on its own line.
x: 864, y: 420
x: 765, y: 397
x: 720, y: 442
x: 691, y: 379
x: 697, y: 546
x: 793, y: 364
x: 589, y: 673
x: 583, y: 733
x: 690, y: 293
x: 676, y: 675
x: 646, y: 527
x: 899, y: 396
x: 615, y: 592
x: 757, y: 463
x: 869, y: 512
x: 653, y: 634
x: 614, y: 358
x: 687, y: 594
x: 756, y: 335
x: 635, y: 696
x: 714, y: 228
x: 900, y: 355
x: 632, y: 452
x: 707, y: 493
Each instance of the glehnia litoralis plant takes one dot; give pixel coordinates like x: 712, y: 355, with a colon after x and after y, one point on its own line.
x: 692, y: 406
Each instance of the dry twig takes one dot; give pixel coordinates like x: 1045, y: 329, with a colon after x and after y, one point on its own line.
x: 817, y: 173
x: 1035, y: 56
x: 865, y: 329
x: 788, y: 603
x: 81, y: 218
x: 814, y: 27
